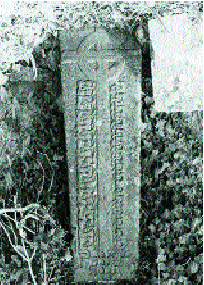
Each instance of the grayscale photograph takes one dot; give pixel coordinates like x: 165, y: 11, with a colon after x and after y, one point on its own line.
x: 101, y: 142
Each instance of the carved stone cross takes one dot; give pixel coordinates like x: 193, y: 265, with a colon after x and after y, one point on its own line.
x: 102, y: 99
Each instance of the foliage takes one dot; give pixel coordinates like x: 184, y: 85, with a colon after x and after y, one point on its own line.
x: 39, y: 245
x: 24, y: 25
x: 29, y: 135
x: 27, y: 139
x: 28, y: 179
x: 172, y: 200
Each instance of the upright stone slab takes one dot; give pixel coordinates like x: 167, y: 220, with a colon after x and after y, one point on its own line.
x: 101, y: 91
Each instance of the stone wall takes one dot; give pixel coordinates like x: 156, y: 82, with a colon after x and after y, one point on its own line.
x: 177, y: 63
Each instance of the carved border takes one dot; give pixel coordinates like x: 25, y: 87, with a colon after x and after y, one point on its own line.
x: 86, y: 171
x: 117, y: 165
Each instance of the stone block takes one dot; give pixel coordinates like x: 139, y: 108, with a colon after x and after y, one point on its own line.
x: 103, y: 96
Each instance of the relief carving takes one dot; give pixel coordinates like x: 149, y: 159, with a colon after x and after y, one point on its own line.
x: 93, y: 59
x: 86, y: 154
x: 117, y: 163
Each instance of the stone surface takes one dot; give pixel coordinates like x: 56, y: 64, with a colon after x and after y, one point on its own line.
x: 101, y: 92
x: 177, y: 63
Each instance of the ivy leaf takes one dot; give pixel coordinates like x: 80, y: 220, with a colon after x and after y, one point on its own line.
x: 194, y: 267
x: 171, y: 281
x: 8, y: 179
x: 183, y: 280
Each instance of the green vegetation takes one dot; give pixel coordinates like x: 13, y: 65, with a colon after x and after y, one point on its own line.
x: 172, y: 200
x: 171, y: 193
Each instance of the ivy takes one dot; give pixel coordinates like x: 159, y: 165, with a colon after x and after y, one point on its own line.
x: 176, y: 225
